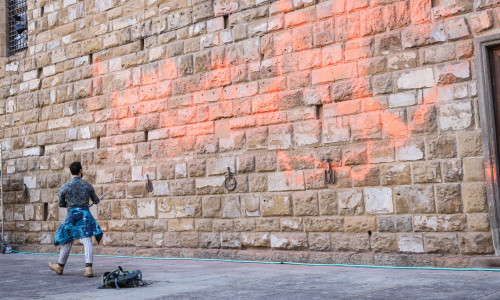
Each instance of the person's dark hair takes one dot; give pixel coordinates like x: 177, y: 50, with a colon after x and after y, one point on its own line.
x: 75, y: 167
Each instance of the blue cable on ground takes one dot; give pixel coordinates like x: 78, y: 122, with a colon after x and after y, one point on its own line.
x: 276, y: 263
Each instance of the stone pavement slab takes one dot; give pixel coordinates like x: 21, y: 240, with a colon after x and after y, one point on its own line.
x: 27, y: 276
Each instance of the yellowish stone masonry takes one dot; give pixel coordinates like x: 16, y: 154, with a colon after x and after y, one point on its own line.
x: 382, y: 91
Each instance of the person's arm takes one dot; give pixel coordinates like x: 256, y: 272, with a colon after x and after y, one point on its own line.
x: 93, y: 195
x: 62, y: 200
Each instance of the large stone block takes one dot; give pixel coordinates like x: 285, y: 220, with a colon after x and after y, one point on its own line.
x: 289, y: 241
x: 286, y: 181
x: 449, y: 198
x: 350, y: 202
x: 360, y: 224
x: 476, y: 243
x: 411, y: 243
x: 397, y: 223
x: 441, y: 243
x: 358, y: 242
x: 378, y: 200
x: 276, y: 205
x: 474, y: 197
x: 306, y: 204
x: 414, y: 199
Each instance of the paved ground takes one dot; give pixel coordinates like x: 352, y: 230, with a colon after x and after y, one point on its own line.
x: 28, y: 277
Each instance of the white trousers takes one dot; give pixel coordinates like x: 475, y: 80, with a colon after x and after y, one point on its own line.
x: 87, y: 246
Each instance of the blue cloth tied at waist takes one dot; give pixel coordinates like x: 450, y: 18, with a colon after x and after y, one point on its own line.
x: 79, y: 223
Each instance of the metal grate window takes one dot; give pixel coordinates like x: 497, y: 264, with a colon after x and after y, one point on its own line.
x: 18, y: 25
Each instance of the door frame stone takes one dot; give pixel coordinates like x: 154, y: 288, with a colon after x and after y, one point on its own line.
x: 489, y: 140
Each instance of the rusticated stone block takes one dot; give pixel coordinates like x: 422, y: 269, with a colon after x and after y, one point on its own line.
x: 231, y: 206
x: 384, y: 242
x: 397, y: 223
x: 474, y: 197
x: 319, y: 241
x: 452, y: 170
x: 189, y: 239
x: 469, y: 144
x: 289, y: 241
x: 172, y: 239
x: 378, y: 200
x: 358, y: 242
x: 350, y: 202
x: 306, y: 203
x: 166, y: 208
x: 209, y: 240
x: 443, y: 243
x: 328, y: 202
x: 323, y: 224
x: 449, y: 198
x: 476, y: 243
x: 129, y: 209
x: 411, y: 243
x: 427, y: 172
x: 424, y: 223
x: 212, y: 185
x: 178, y: 225
x: 241, y: 225
x: 265, y: 162
x: 268, y: 224
x: 276, y: 205
x: 250, y: 205
x: 441, y: 147
x: 257, y: 182
x: 203, y: 225
x: 196, y: 168
x: 291, y: 224
x: 223, y: 225
x: 135, y: 225
x: 414, y: 199
x: 188, y: 207
x: 212, y: 206
x: 255, y: 239
x: 473, y: 169
x: 397, y: 174
x: 478, y: 222
x: 286, y: 181
x: 360, y: 223
x: 230, y: 240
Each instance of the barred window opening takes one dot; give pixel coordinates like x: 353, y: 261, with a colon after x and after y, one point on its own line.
x: 18, y: 25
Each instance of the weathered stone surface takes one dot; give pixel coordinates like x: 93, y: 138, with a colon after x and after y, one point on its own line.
x: 439, y: 223
x: 350, y: 202
x: 448, y: 199
x: 279, y: 205
x: 441, y: 243
x: 359, y: 223
x: 417, y: 199
x: 474, y: 197
x: 476, y: 243
x: 306, y: 204
x: 396, y: 174
x: 410, y: 243
x: 478, y: 222
x: 177, y: 93
x: 328, y: 202
x: 358, y: 242
x: 397, y: 223
x: 289, y: 241
x: 378, y: 200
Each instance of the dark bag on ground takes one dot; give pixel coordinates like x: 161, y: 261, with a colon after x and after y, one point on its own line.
x: 120, y: 278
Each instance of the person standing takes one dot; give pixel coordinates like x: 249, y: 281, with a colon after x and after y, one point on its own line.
x: 79, y: 223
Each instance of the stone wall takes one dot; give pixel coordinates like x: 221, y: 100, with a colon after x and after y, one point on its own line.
x: 178, y: 91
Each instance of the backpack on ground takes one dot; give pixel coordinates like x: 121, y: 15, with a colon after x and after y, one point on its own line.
x: 120, y: 278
